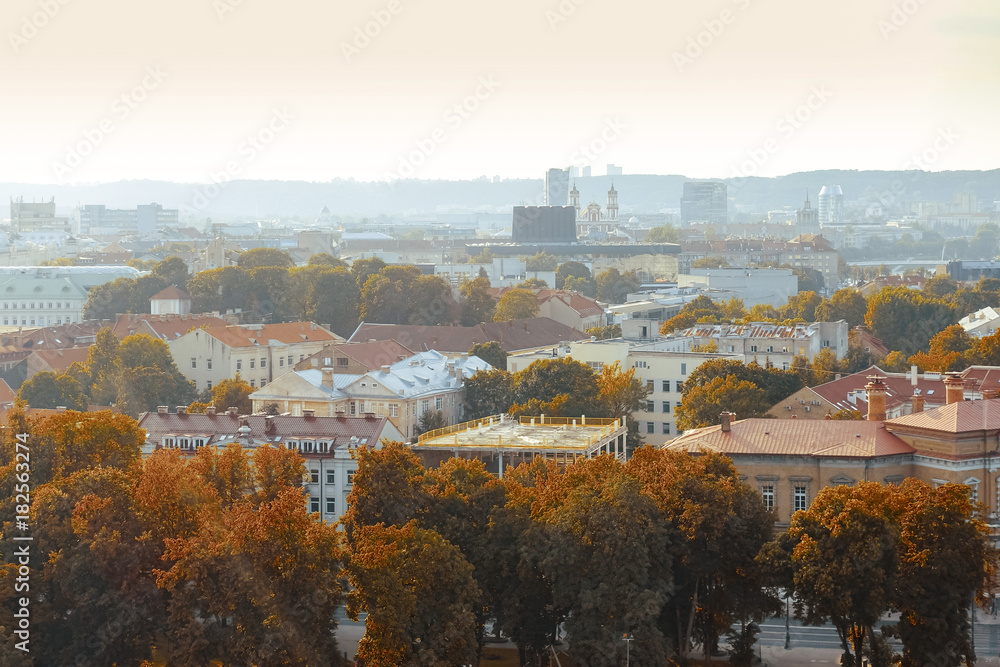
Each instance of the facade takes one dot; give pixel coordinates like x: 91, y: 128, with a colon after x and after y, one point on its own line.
x: 807, y: 216
x: 326, y: 443
x: 791, y: 460
x: 566, y: 307
x: 544, y: 224
x: 831, y: 205
x: 592, y: 220
x: 754, y: 286
x: 705, y: 201
x: 51, y: 295
x: 803, y: 251
x: 812, y: 251
x: 981, y: 323
x: 402, y: 391
x: 170, y: 301
x: 356, y: 358
x: 556, y: 187
x: 766, y: 342
x: 144, y: 219
x: 258, y: 352
x: 166, y: 327
x: 36, y: 216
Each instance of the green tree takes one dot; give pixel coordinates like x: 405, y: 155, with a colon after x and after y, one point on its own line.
x: 269, y: 286
x: 431, y: 302
x: 431, y: 420
x: 810, y: 279
x: 489, y: 393
x: 702, y: 404
x: 845, y: 304
x: 260, y: 257
x: 777, y: 384
x: 663, y: 234
x: 613, y: 287
x: 105, y: 302
x: 541, y: 261
x: 905, y: 319
x: 571, y: 270
x: 49, y: 390
x: 558, y: 387
x: 326, y: 259
x: 172, y: 271
x: 711, y: 262
x: 940, y: 286
x: 492, y: 353
x: 516, y: 304
x: 333, y: 298
x: 478, y: 303
x: 226, y: 288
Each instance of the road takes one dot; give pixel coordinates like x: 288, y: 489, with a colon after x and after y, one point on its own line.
x: 987, y: 637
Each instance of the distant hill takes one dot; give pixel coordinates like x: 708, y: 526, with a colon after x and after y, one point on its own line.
x: 637, y: 193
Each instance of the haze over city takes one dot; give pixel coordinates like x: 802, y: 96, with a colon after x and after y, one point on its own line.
x: 694, y: 88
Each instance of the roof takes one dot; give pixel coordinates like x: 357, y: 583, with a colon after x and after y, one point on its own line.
x: 828, y: 438
x: 899, y: 389
x: 7, y: 394
x: 961, y: 417
x: 266, y: 334
x: 166, y: 327
x: 60, y: 360
x: 581, y: 303
x: 170, y: 293
x: 53, y: 337
x: 752, y: 330
x: 221, y: 429
x: 513, y: 336
x: 371, y: 355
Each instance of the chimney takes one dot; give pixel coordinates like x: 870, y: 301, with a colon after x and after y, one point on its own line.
x: 269, y: 426
x: 210, y: 410
x: 182, y: 409
x: 954, y: 388
x: 726, y: 419
x: 385, y: 369
x: 989, y: 394
x: 913, y: 375
x: 161, y: 409
x: 917, y: 402
x: 233, y: 412
x: 309, y: 414
x: 459, y: 373
x: 327, y: 380
x: 876, y: 398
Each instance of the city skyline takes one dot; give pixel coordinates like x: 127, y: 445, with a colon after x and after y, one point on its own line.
x: 232, y: 89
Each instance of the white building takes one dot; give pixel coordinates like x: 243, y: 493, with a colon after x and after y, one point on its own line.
x: 755, y: 286
x: 402, y: 391
x: 981, y: 323
x: 170, y: 301
x: 51, y: 295
x: 766, y: 342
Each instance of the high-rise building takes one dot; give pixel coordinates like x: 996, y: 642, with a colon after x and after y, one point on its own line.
x: 557, y: 187
x: 705, y: 201
x: 831, y: 205
x: 36, y: 217
x: 614, y: 171
x: 144, y: 219
x: 586, y: 172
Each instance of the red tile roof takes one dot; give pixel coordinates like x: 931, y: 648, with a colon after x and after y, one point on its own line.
x: 60, y: 360
x: 961, y: 417
x: 795, y: 437
x: 170, y: 293
x: 899, y: 389
x: 513, y: 336
x: 288, y: 332
x: 377, y: 354
x: 167, y: 327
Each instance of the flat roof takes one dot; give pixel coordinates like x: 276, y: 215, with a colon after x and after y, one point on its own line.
x: 525, y: 434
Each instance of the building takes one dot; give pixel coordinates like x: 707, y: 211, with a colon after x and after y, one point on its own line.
x: 51, y: 295
x: 592, y: 220
x: 501, y: 441
x: 963, y: 270
x: 766, y: 342
x: 566, y: 307
x: 613, y: 170
x: 831, y: 205
x: 556, y: 187
x: 791, y: 460
x: 326, y: 443
x: 807, y: 216
x: 812, y: 251
x: 356, y: 358
x: 874, y: 287
x: 36, y: 216
x: 170, y: 301
x: 705, y: 201
x: 402, y: 391
x: 258, y: 352
x: 166, y: 327
x: 754, y: 286
x: 513, y: 336
x: 544, y: 224
x: 981, y: 323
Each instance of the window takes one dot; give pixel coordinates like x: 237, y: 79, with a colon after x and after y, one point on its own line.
x: 281, y: 362
x: 649, y: 386
x: 393, y: 410
x: 973, y: 485
x: 350, y: 477
x: 767, y: 495
x: 666, y: 385
x: 800, y: 497
x: 331, y: 477
x: 784, y: 365
x: 353, y: 408
x: 289, y: 360
x: 239, y: 364
x: 253, y: 383
x: 650, y: 406
x: 650, y: 427
x: 314, y: 504
x: 253, y: 363
x: 263, y: 381
x: 753, y: 348
x: 341, y: 361
x: 194, y: 363
x: 826, y: 343
x: 425, y: 406
x: 208, y: 364
x: 313, y: 475
x: 263, y: 362
x: 680, y: 387
x: 331, y: 506
x: 684, y: 371
x: 209, y: 383
x: 666, y: 407
x: 666, y: 428
x: 439, y: 403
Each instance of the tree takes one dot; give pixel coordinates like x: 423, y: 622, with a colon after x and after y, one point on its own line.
x: 268, y: 292
x: 226, y: 288
x: 431, y: 420
x: 333, y: 298
x: 260, y: 257
x: 571, y: 270
x: 777, y: 384
x: 541, y: 261
x: 363, y: 269
x: 387, y: 296
x: 478, y: 303
x: 172, y: 271
x: 489, y: 393
x: 233, y: 393
x: 825, y: 366
x: 397, y: 575
x: 622, y: 394
x: 105, y: 302
x: 950, y: 350
x: 802, y: 367
x: 802, y: 306
x: 905, y: 319
x: 492, y: 353
x: 613, y: 287
x: 663, y: 234
x: 326, y: 259
x: 48, y: 390
x: 485, y: 257
x: 516, y: 304
x: 557, y: 387
x: 810, y: 279
x: 711, y: 262
x: 702, y: 405
x: 532, y: 283
x: 431, y: 302
x: 845, y: 304
x: 146, y: 376
x: 606, y: 333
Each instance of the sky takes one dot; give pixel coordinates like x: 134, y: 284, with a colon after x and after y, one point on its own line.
x: 202, y: 90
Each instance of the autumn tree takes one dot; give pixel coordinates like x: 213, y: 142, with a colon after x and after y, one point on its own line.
x: 260, y: 257
x: 622, y: 393
x: 663, y: 234
x: 219, y: 290
x: 326, y: 259
x: 49, y: 390
x: 333, y: 298
x: 905, y: 319
x: 606, y: 333
x: 613, y: 287
x: 172, y: 270
x: 365, y: 268
x: 516, y: 304
x: 577, y: 270
x: 431, y: 303
x: 845, y: 304
x: 488, y: 393
x: 951, y: 349
x: 702, y: 405
x: 492, y: 353
x: 802, y: 307
x: 940, y: 286
x: 233, y: 393
x: 478, y: 303
x: 825, y: 366
x: 710, y: 262
x: 557, y: 387
x: 776, y: 383
x: 541, y: 261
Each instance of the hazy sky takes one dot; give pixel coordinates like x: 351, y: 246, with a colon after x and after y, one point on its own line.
x: 886, y: 80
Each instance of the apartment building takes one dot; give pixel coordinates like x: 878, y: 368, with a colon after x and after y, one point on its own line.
x: 766, y: 342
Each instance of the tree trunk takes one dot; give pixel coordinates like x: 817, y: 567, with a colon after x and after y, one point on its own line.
x: 690, y: 627
x: 859, y: 642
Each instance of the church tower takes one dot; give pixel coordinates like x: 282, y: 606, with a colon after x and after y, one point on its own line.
x: 612, y: 203
x: 574, y: 200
